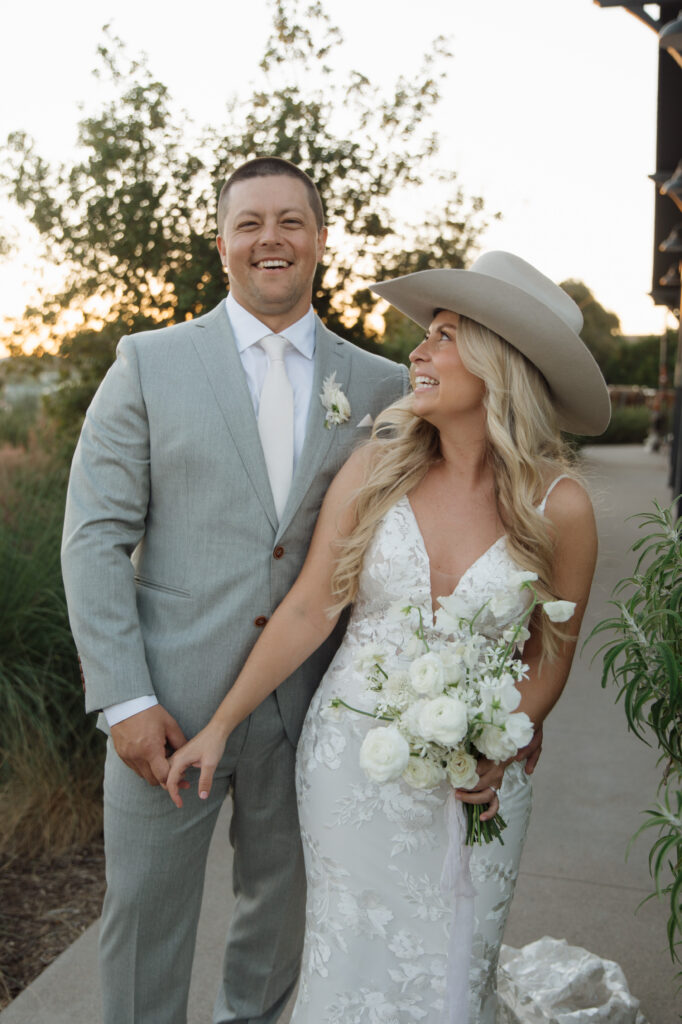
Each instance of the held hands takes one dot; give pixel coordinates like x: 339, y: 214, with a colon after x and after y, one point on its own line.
x: 490, y: 777
x: 203, y: 751
x: 141, y: 742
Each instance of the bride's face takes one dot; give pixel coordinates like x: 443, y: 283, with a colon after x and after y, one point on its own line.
x: 443, y: 387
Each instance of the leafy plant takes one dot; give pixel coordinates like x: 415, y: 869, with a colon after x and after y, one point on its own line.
x: 51, y: 758
x: 644, y: 660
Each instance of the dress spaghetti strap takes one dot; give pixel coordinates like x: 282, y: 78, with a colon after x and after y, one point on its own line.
x: 541, y: 506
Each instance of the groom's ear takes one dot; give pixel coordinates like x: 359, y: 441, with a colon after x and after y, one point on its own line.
x: 321, y: 243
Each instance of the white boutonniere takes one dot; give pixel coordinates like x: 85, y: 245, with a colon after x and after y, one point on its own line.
x: 334, y: 401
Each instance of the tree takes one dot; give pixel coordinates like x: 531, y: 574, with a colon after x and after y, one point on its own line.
x: 133, y: 220
x: 601, y: 328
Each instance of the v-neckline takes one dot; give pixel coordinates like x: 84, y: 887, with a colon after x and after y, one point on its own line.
x: 422, y: 542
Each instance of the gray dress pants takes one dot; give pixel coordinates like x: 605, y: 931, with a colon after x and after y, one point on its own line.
x: 156, y: 860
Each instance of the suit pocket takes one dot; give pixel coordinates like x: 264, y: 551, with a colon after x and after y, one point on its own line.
x: 162, y: 587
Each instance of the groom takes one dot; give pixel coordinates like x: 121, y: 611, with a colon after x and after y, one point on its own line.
x: 194, y: 490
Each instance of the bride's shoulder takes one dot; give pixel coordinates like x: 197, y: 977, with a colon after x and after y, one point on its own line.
x: 568, y: 506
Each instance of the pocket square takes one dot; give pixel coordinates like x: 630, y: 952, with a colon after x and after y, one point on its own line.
x: 366, y: 421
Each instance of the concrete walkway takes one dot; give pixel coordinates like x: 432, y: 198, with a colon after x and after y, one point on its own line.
x: 593, y: 783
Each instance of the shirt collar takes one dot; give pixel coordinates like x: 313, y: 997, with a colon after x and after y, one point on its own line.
x: 248, y: 330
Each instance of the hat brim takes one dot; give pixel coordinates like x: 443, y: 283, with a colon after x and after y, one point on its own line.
x: 573, y: 377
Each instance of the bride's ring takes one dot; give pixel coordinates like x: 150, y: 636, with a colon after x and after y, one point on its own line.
x: 493, y: 789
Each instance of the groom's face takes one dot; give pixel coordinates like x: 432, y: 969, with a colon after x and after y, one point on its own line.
x: 270, y: 245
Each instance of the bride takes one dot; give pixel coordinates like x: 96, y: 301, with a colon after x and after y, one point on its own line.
x: 463, y: 483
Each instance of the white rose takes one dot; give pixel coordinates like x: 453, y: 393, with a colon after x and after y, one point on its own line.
x: 426, y: 675
x: 495, y: 743
x: 444, y: 720
x: 422, y: 773
x: 384, y: 754
x: 460, y: 769
x: 559, y: 611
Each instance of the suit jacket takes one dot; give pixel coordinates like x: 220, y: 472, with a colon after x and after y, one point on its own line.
x: 172, y: 555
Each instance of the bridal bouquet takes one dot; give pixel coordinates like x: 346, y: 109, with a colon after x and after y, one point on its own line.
x: 452, y: 694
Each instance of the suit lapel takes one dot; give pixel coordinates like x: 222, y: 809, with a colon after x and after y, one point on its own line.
x: 215, y: 345
x: 331, y: 356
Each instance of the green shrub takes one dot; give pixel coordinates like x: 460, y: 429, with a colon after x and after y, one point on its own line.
x: 643, y: 657
x: 17, y: 420
x: 629, y: 425
x: 50, y: 754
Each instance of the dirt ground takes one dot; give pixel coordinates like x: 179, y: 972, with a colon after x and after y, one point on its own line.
x: 44, y: 907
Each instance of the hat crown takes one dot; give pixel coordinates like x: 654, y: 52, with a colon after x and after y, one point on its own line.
x: 504, y: 266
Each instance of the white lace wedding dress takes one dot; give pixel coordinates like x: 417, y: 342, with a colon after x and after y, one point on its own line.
x: 377, y: 920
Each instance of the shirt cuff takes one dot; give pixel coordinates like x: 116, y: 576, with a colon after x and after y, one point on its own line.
x: 116, y: 713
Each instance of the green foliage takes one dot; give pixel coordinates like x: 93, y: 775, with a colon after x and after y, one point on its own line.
x: 17, y: 419
x: 601, y: 328
x: 629, y: 425
x: 637, y: 362
x: 50, y: 758
x: 644, y: 659
x: 133, y: 220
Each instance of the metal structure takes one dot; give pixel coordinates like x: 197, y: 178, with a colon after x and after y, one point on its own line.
x: 666, y: 288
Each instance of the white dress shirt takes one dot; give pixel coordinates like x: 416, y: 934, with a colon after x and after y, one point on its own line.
x: 300, y: 366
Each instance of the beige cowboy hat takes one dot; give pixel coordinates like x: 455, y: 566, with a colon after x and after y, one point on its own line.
x: 512, y: 298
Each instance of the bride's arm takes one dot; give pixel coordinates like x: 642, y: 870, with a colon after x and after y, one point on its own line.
x: 570, y: 512
x: 296, y: 629
x: 571, y: 515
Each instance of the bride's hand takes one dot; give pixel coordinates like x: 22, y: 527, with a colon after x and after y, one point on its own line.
x: 204, y: 752
x: 490, y: 777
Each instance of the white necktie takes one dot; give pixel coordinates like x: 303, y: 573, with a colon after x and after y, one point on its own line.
x: 276, y: 421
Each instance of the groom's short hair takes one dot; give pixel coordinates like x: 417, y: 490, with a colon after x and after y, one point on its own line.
x: 265, y: 167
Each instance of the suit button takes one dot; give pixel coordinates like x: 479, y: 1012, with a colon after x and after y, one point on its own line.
x: 260, y: 621
x: 278, y: 552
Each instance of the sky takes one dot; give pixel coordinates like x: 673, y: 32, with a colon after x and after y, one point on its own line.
x: 548, y: 112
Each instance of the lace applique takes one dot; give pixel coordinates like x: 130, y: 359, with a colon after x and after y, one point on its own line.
x: 376, y: 918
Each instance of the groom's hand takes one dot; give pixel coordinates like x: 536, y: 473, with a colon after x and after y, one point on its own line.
x: 141, y: 742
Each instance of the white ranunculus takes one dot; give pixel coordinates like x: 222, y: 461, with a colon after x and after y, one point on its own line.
x: 421, y: 773
x: 410, y: 719
x: 445, y: 623
x: 384, y: 754
x: 559, y: 611
x: 460, y: 769
x: 426, y: 675
x: 444, y: 720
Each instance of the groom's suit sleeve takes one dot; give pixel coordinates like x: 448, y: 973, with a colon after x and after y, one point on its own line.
x: 106, y: 508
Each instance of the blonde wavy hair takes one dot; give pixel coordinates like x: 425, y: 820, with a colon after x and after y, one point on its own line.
x: 524, y: 447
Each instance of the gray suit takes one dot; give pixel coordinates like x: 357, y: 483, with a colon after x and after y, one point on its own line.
x: 173, y: 560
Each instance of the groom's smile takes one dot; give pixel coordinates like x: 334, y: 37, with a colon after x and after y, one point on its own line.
x: 270, y: 245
